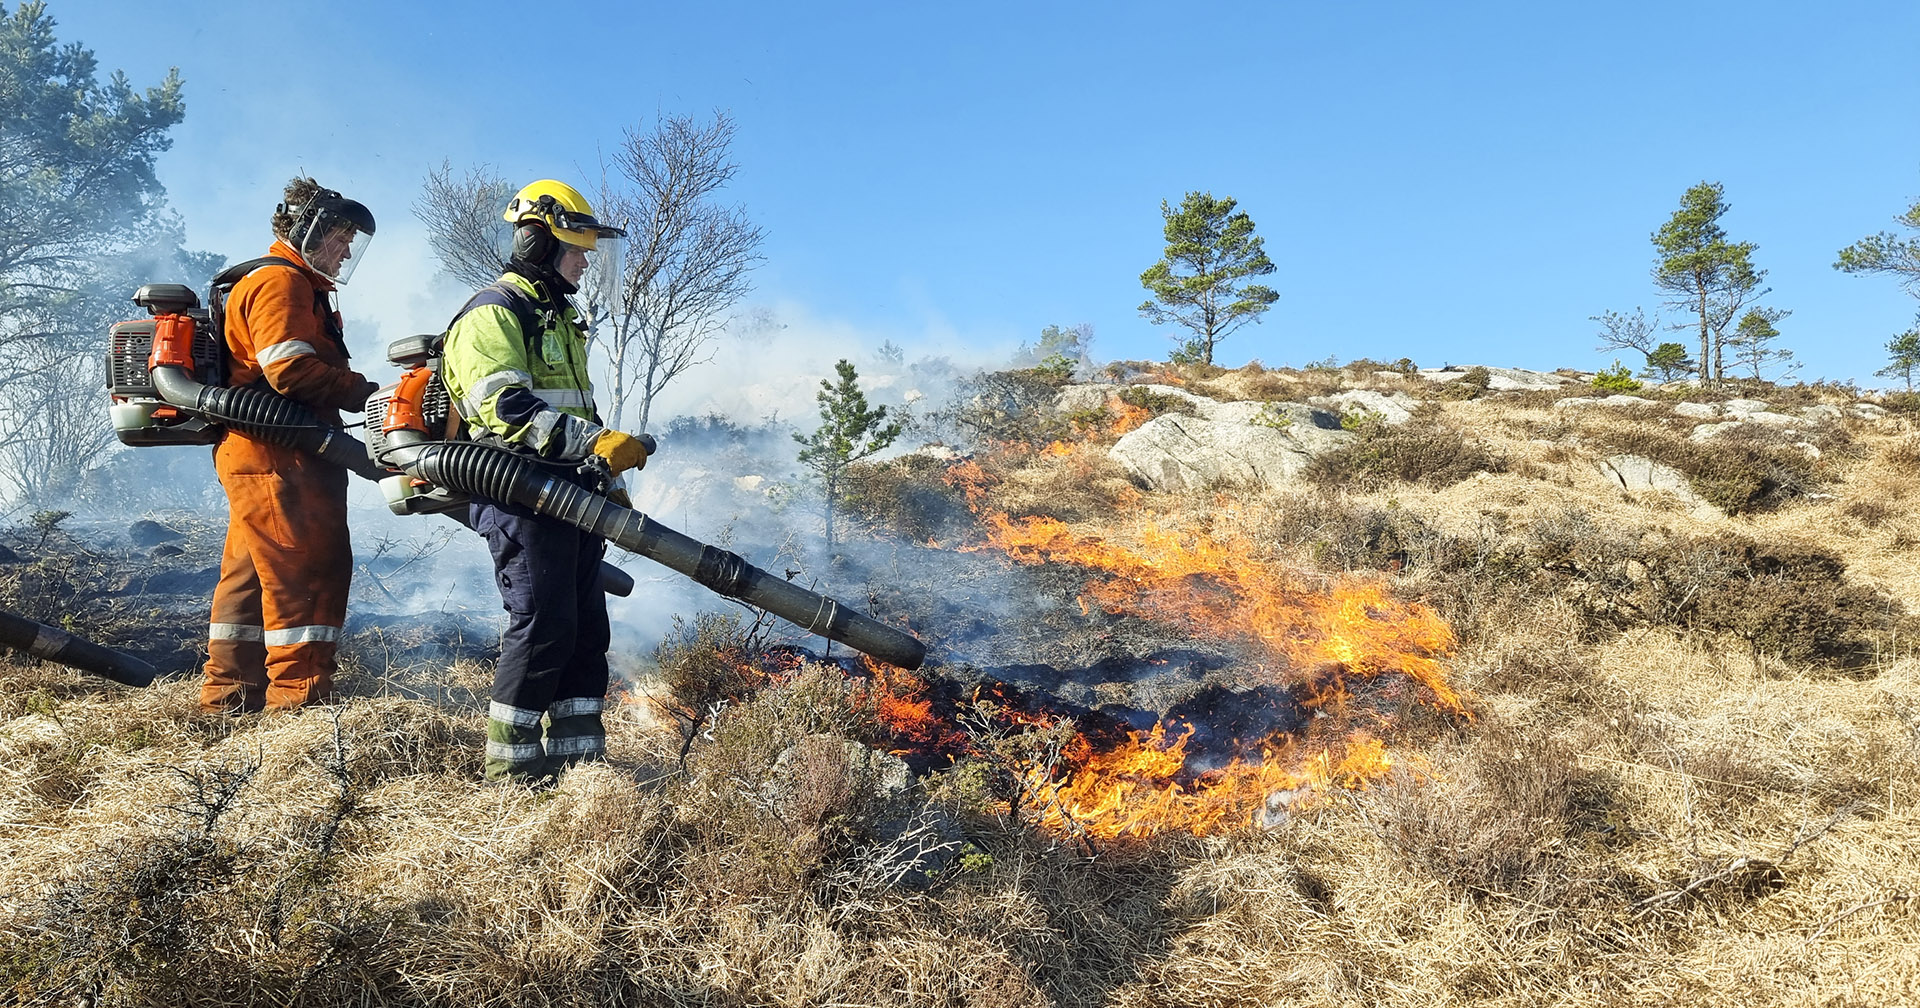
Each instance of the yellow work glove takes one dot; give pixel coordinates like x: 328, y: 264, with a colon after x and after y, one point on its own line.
x: 622, y: 451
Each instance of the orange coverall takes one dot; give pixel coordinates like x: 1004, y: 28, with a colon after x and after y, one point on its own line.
x: 282, y: 597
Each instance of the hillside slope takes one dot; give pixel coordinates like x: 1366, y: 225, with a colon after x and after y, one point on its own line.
x: 1366, y: 687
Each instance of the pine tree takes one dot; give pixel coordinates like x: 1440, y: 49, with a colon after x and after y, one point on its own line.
x: 848, y: 432
x: 1887, y: 252
x: 1197, y: 283
x: 1905, y: 353
x: 1707, y: 275
x: 1667, y: 362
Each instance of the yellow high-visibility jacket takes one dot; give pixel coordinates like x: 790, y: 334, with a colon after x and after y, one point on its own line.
x: 529, y: 393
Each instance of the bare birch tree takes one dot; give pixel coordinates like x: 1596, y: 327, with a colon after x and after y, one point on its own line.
x: 464, y: 224
x: 687, y: 257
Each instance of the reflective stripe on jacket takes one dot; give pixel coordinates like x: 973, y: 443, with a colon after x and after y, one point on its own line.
x: 530, y: 393
x: 282, y: 325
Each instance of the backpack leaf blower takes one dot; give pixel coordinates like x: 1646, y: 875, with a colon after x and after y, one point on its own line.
x: 165, y: 375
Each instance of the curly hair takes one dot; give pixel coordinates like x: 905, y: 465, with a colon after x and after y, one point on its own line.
x: 299, y: 193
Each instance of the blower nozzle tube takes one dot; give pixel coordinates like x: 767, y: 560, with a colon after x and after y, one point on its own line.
x: 486, y: 472
x: 269, y: 417
x: 57, y: 645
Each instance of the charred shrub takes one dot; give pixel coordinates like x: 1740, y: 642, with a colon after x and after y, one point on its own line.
x: 1426, y: 449
x: 83, y: 591
x: 908, y: 497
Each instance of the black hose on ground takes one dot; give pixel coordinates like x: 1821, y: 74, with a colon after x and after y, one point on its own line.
x: 57, y: 645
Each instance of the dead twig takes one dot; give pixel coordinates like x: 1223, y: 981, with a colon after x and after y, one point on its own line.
x: 1850, y: 911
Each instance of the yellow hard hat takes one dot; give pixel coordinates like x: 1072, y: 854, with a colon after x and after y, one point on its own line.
x: 563, y: 210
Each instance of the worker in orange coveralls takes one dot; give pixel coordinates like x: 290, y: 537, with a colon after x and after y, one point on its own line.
x: 282, y: 597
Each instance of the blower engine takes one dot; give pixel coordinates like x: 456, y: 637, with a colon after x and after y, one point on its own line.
x: 178, y: 335
x: 412, y: 427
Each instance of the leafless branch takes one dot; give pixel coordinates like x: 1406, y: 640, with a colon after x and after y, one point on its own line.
x: 464, y: 224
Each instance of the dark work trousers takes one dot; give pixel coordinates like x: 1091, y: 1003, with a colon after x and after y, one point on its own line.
x: 553, y: 655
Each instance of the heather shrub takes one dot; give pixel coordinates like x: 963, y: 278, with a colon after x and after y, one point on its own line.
x: 906, y: 497
x: 1426, y: 449
x: 1496, y: 822
x: 1470, y: 386
x: 1155, y: 403
x: 787, y: 782
x: 1339, y: 533
x: 1871, y: 513
x: 1078, y: 485
x: 1792, y: 603
x: 1904, y: 402
x: 706, y: 662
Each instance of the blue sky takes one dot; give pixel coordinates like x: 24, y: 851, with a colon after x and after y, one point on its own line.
x: 1455, y: 183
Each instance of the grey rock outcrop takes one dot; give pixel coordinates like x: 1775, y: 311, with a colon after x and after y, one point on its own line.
x: 1769, y: 418
x: 1709, y: 431
x: 1611, y: 402
x: 1242, y: 442
x: 1395, y: 407
x: 1638, y: 474
x: 1499, y: 379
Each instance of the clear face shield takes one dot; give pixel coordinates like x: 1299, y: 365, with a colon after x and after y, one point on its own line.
x: 596, y: 272
x: 332, y: 243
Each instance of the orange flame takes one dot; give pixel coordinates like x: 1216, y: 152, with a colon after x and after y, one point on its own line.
x: 1317, y: 638
x: 1213, y: 586
x: 1126, y: 416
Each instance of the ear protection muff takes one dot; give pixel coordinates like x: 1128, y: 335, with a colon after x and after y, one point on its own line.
x: 533, y: 243
x: 303, y: 213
